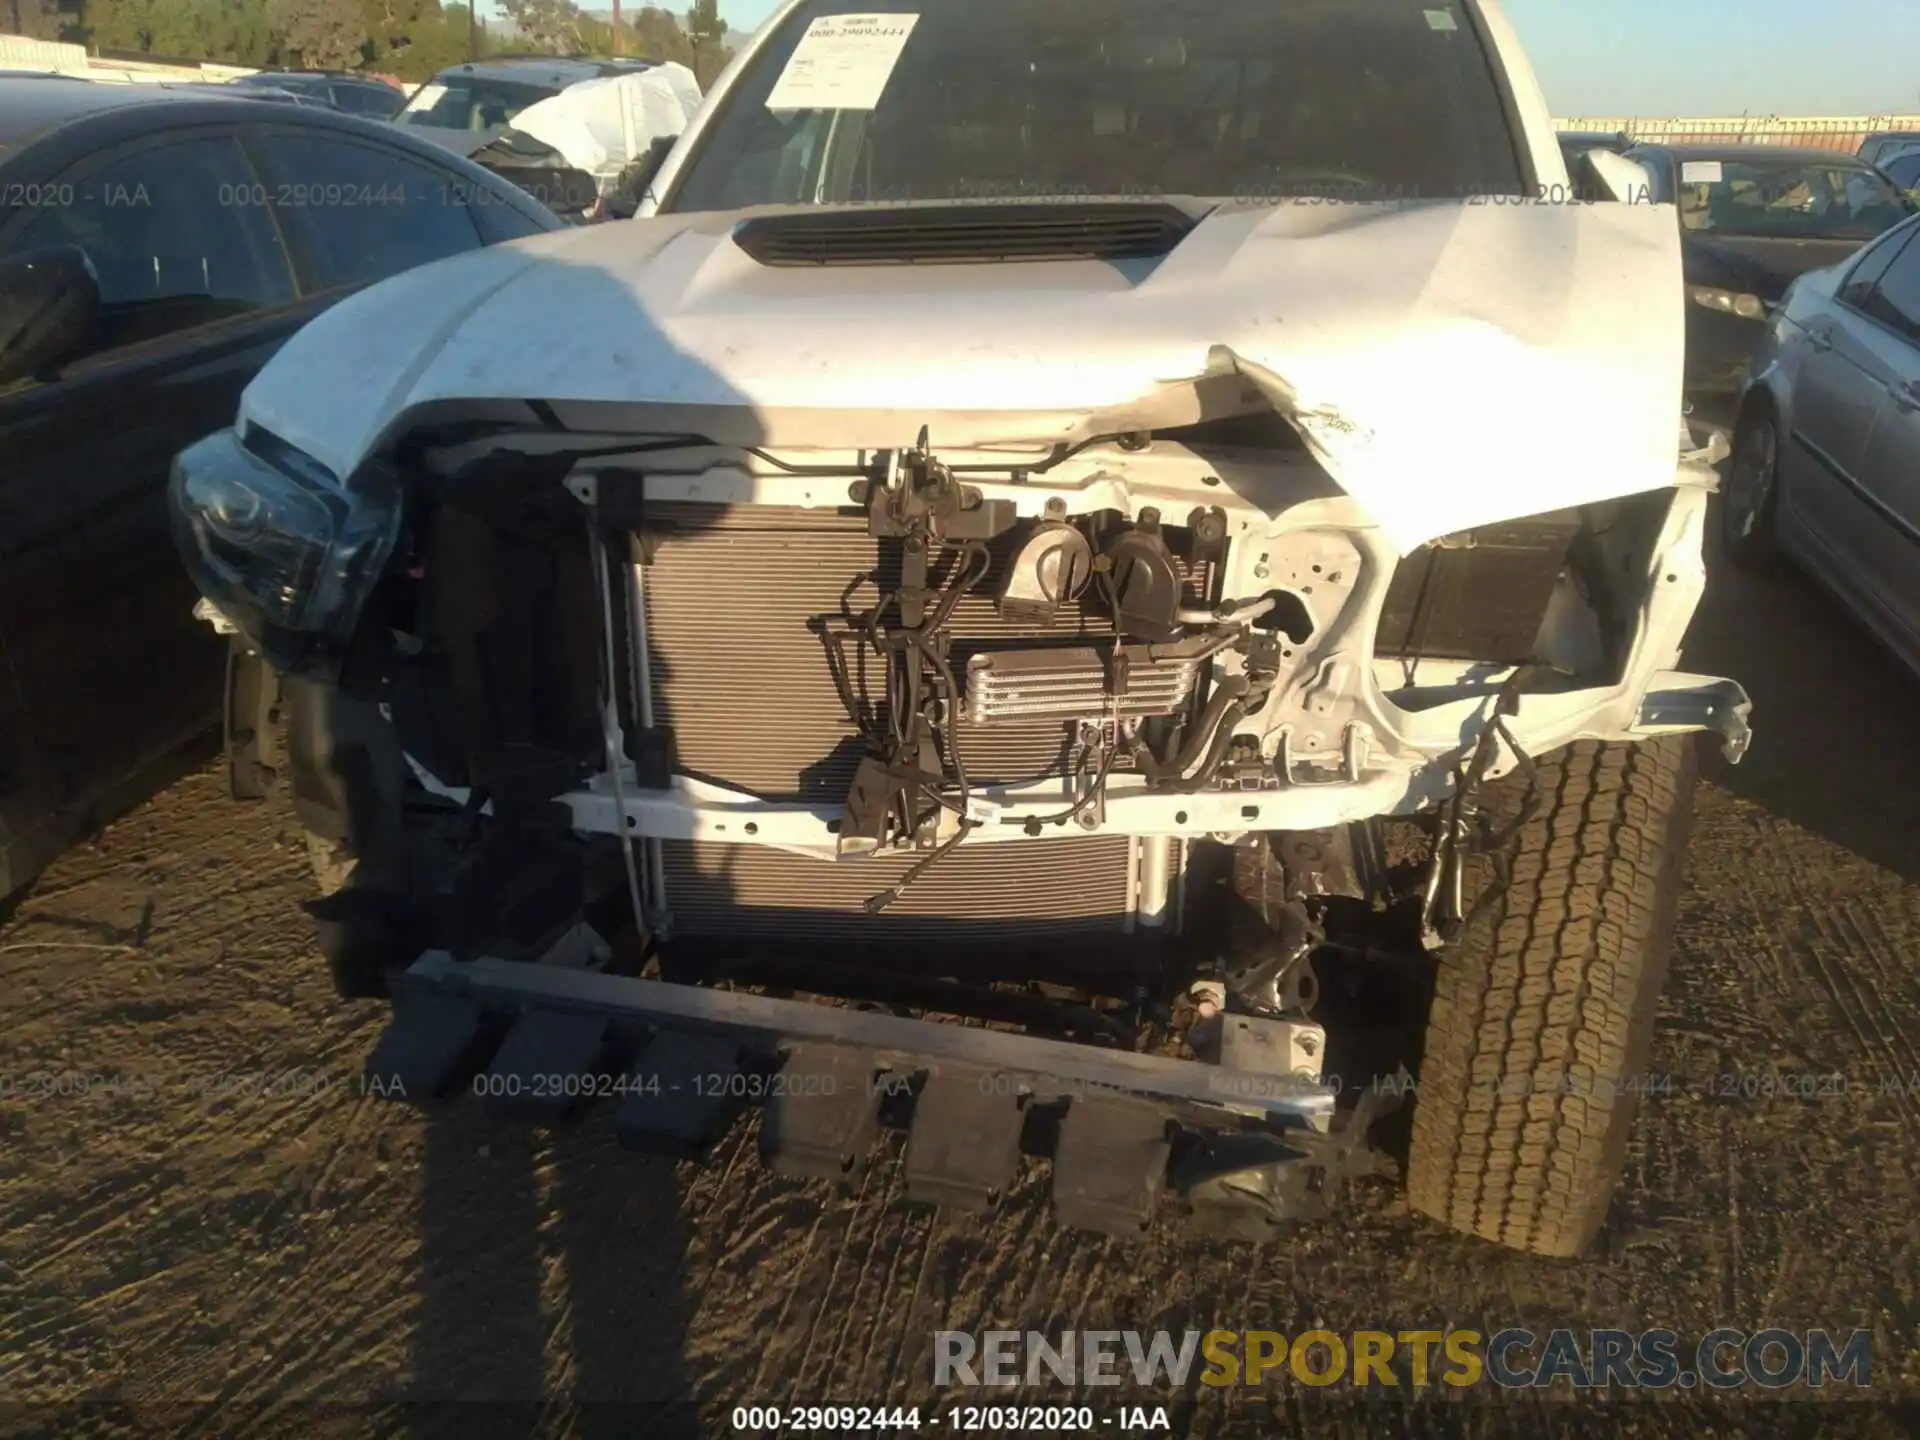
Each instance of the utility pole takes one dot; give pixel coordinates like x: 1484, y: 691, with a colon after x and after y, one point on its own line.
x: 616, y: 27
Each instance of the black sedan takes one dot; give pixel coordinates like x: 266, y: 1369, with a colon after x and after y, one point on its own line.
x: 1752, y: 219
x: 155, y: 249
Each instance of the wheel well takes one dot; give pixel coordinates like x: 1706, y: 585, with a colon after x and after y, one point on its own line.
x: 1759, y: 402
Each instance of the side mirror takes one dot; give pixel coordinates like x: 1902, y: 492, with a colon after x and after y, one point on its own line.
x: 48, y: 301
x: 1608, y: 176
x: 624, y: 199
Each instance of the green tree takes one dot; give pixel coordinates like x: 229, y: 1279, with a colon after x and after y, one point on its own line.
x: 704, y: 25
x: 392, y: 26
x: 434, y: 41
x: 158, y: 27
x: 40, y: 19
x: 550, y: 26
x: 321, y: 34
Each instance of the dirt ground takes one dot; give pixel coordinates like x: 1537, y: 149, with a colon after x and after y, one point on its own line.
x: 197, y: 1206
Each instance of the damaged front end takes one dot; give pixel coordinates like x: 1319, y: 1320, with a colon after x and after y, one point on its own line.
x: 1113, y: 743
x: 852, y: 697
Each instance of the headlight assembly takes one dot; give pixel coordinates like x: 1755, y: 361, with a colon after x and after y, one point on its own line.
x: 1747, y: 307
x: 281, y: 545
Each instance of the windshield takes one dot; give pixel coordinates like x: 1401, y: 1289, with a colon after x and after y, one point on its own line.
x: 1905, y: 171
x: 902, y: 100
x: 1786, y: 200
x: 468, y: 102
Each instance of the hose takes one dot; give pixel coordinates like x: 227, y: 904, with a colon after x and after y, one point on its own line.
x: 1225, y: 695
x: 1216, y: 753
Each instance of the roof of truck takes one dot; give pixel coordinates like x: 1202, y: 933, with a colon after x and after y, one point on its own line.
x: 559, y: 71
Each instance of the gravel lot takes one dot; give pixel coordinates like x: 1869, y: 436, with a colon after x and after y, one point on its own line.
x: 168, y: 1236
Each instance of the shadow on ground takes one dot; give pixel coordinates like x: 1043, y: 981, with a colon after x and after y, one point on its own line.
x: 1828, y: 702
x: 550, y: 1264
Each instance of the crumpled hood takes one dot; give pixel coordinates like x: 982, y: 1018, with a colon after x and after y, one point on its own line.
x: 1449, y: 364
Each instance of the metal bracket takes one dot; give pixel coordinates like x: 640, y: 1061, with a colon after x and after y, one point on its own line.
x: 430, y: 1042
x: 1109, y: 1164
x: 1243, y: 1186
x: 680, y: 1094
x: 538, y: 1072
x: 1294, y: 1048
x: 824, y: 1115
x: 963, y: 1148
x: 1354, y: 747
x: 1676, y: 703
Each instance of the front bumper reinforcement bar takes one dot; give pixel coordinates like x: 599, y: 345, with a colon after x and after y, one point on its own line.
x: 1041, y: 1068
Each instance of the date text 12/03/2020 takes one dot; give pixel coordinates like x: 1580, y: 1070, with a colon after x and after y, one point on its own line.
x: 961, y: 1419
x: 771, y: 1084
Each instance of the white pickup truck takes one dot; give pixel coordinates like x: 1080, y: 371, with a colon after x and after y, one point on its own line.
x: 1164, y: 528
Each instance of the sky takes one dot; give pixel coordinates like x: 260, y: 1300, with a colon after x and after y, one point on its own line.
x: 1694, y: 57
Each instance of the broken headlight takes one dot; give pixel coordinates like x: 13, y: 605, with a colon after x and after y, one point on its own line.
x: 281, y: 545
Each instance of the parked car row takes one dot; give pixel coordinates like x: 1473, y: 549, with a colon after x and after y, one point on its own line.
x: 157, y: 245
x: 481, y: 98
x: 1802, y: 276
x: 568, y: 131
x: 1826, y: 462
x: 1752, y: 220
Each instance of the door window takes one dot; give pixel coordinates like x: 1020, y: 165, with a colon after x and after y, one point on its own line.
x: 1866, y: 273
x: 175, y: 235
x: 1895, y: 301
x: 366, y: 99
x: 369, y: 212
x: 471, y: 103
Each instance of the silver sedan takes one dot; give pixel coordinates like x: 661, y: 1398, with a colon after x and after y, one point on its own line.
x: 1826, y: 455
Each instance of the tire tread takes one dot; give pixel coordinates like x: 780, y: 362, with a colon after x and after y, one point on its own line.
x: 1543, y: 1012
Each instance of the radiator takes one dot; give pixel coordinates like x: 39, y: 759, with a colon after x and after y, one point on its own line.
x: 1013, y: 890
x: 741, y: 677
x: 739, y: 673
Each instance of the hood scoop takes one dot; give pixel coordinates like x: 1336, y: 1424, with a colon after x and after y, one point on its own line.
x: 967, y: 234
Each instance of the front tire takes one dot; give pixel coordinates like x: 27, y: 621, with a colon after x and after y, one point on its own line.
x: 1543, y: 1011
x: 1750, y: 503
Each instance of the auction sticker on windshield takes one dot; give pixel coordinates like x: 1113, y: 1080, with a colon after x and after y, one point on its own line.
x: 1702, y: 172
x: 843, y: 62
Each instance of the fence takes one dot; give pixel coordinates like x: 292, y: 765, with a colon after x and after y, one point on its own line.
x: 17, y: 52
x: 1826, y: 132
x: 58, y: 58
